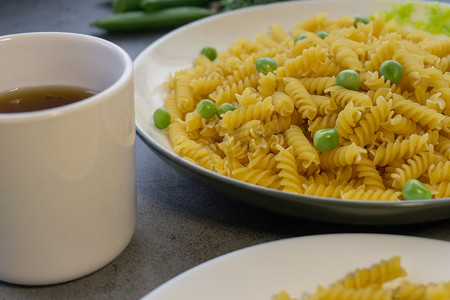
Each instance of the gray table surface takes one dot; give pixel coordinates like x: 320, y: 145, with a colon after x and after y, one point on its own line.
x: 181, y: 223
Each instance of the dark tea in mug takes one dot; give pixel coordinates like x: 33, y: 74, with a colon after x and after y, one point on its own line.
x: 35, y: 98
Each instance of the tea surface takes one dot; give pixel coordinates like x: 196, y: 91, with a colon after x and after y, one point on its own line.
x: 41, y: 97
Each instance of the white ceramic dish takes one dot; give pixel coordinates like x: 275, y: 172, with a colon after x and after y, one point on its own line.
x: 298, y: 265
x: 177, y: 50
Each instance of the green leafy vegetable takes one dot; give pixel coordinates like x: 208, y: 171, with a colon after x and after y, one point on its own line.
x: 432, y: 17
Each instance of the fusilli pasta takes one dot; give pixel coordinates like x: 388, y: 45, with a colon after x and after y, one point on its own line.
x: 388, y: 133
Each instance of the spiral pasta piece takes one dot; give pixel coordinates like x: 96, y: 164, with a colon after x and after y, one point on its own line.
x: 317, y: 85
x: 324, y: 104
x: 377, y: 274
x: 406, y: 148
x: 339, y: 292
x: 341, y: 156
x: 419, y: 291
x: 412, y: 169
x: 330, y: 190
x: 347, y: 120
x: 267, y: 84
x: 206, y: 85
x: 443, y: 189
x: 416, y: 112
x: 234, y: 148
x: 177, y: 133
x: 305, y: 153
x: 438, y: 47
x: 283, y: 104
x: 345, y: 56
x: 193, y: 121
x: 383, y: 52
x: 250, y: 130
x: 366, y: 169
x: 277, y: 124
x: 170, y: 104
x: 439, y: 172
x: 184, y: 94
x: 258, y: 111
x: 306, y: 63
x: 365, y: 132
x: 265, y: 178
x: 286, y: 163
x: 226, y: 93
x: 302, y: 99
x: 263, y: 161
x: 327, y: 121
x: 400, y: 125
x: 341, y: 96
x: 202, y: 155
x: 443, y: 146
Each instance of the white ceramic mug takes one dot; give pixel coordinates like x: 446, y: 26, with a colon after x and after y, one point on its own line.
x: 67, y: 174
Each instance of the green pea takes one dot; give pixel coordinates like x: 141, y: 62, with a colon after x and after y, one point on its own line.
x: 348, y: 79
x: 392, y: 71
x: 322, y: 34
x: 360, y: 19
x: 222, y: 109
x: 206, y: 108
x: 413, y: 189
x: 209, y: 52
x: 300, y: 37
x: 161, y: 118
x: 326, y: 139
x: 265, y: 65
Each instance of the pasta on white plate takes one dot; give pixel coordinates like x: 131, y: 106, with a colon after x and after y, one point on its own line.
x: 389, y: 132
x: 384, y: 280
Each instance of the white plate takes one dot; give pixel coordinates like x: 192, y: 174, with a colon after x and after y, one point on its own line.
x: 298, y: 265
x: 177, y: 50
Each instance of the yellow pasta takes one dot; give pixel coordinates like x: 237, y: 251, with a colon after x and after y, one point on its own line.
x: 388, y: 133
x: 370, y: 283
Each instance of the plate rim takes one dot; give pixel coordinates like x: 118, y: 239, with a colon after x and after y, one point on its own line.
x: 295, y: 239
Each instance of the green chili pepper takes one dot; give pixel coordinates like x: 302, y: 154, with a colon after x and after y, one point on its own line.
x: 125, y: 5
x: 152, y: 5
x: 161, y: 19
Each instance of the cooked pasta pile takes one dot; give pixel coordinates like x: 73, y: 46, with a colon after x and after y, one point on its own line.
x: 388, y: 133
x: 369, y: 283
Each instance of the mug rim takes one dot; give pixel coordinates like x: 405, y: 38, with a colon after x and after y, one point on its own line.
x: 116, y: 86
